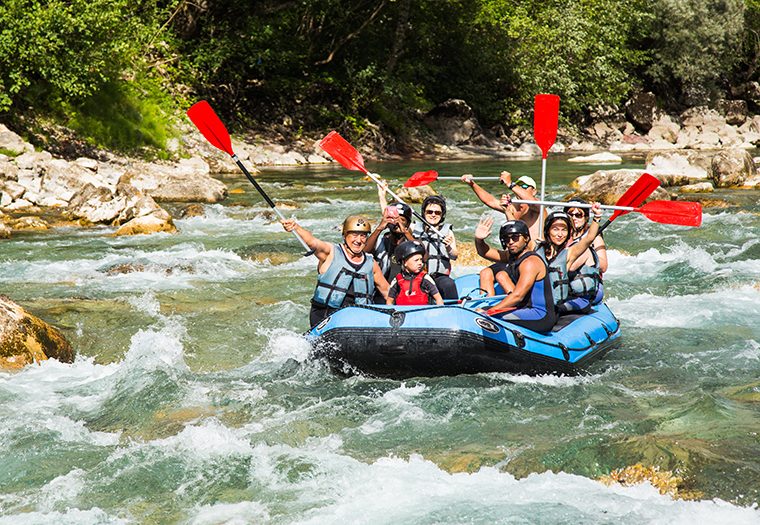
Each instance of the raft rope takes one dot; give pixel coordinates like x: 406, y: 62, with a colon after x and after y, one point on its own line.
x: 517, y: 335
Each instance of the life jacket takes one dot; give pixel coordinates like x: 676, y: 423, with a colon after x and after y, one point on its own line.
x: 341, y: 277
x: 410, y: 290
x: 558, y: 275
x: 382, y: 253
x: 586, y: 280
x: 439, y: 260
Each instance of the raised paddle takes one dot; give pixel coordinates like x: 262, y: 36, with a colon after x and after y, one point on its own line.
x: 211, y: 126
x: 349, y: 158
x: 421, y: 178
x: 545, y: 123
x: 634, y: 196
x: 681, y: 213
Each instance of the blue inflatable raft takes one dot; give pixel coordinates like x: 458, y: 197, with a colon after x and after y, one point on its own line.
x: 409, y: 341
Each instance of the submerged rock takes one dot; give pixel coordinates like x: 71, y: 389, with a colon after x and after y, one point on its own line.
x: 26, y: 339
x: 663, y: 480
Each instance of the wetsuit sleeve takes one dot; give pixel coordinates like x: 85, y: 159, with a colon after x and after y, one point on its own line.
x: 393, y: 290
x: 428, y: 286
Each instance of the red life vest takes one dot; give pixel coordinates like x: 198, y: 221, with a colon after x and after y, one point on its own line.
x: 416, y: 296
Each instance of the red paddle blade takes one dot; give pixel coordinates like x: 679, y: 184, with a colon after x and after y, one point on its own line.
x: 343, y: 152
x: 636, y: 194
x: 209, y: 124
x: 681, y: 213
x: 545, y: 121
x: 421, y: 178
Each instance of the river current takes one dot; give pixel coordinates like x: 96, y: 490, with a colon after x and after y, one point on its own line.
x: 192, y: 398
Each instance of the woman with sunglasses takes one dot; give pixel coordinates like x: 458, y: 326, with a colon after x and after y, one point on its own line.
x: 440, y: 251
x: 586, y: 273
x: 560, y: 251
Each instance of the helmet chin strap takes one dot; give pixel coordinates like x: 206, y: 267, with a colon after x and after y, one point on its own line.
x: 355, y: 254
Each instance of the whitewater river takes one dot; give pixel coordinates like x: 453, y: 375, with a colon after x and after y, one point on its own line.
x: 192, y: 398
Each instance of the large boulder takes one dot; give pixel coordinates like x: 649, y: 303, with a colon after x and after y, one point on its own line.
x: 26, y: 339
x: 187, y: 181
x: 416, y: 194
x: 12, y: 143
x: 732, y: 167
x: 691, y: 164
x: 607, y: 186
x: 453, y: 122
x: 147, y: 224
x: 641, y: 110
x: 96, y: 204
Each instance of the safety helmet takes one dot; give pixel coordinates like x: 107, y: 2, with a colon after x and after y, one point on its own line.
x: 356, y: 223
x: 557, y: 216
x: 586, y: 211
x: 407, y: 249
x: 510, y: 227
x: 404, y: 210
x: 435, y: 199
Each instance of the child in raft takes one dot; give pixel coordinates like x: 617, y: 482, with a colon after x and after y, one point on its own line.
x: 412, y: 286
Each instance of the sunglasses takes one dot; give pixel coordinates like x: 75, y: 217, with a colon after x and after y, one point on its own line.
x: 523, y: 185
x: 577, y: 214
x: 433, y: 212
x: 513, y: 237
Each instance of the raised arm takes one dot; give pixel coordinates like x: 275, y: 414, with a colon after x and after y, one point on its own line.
x: 577, y: 249
x: 521, y: 193
x: 485, y: 197
x: 382, y: 192
x: 481, y: 233
x: 321, y: 249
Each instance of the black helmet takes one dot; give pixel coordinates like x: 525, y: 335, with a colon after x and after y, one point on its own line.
x: 404, y: 210
x: 586, y: 211
x: 557, y: 216
x: 408, y: 248
x: 435, y: 199
x: 511, y: 227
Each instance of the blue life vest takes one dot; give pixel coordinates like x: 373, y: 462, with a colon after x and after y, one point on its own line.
x: 558, y: 275
x: 539, y: 296
x: 439, y: 260
x: 341, y: 277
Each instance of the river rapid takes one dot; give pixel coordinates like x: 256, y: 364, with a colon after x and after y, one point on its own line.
x: 192, y: 398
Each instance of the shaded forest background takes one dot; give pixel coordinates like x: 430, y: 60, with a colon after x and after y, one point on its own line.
x: 119, y: 73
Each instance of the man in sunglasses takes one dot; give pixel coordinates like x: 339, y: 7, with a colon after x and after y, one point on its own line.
x: 530, y: 302
x: 524, y: 188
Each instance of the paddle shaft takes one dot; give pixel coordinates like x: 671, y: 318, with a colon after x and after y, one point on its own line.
x: 237, y: 160
x: 474, y: 178
x: 375, y: 177
x: 574, y: 205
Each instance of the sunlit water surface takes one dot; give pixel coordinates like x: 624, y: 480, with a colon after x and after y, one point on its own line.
x: 193, y: 400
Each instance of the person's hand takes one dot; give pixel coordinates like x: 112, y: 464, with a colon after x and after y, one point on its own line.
x: 505, y: 178
x: 289, y: 224
x: 467, y: 178
x: 484, y: 228
x: 388, y: 218
x: 596, y: 210
x: 505, y: 200
x: 449, y: 240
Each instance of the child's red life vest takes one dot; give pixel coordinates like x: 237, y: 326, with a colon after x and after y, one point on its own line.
x: 410, y: 291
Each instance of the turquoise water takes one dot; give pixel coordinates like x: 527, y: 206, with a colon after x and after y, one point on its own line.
x: 193, y: 400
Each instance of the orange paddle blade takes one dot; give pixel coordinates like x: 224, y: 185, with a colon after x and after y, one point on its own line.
x: 636, y: 194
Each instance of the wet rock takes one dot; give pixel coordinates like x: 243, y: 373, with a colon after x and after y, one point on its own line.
x: 706, y: 202
x: 5, y: 231
x: 732, y: 168
x: 607, y: 186
x: 664, y: 481
x: 192, y: 210
x: 30, y: 222
x: 640, y: 110
x: 598, y: 158
x: 237, y: 191
x: 701, y: 187
x: 453, y: 122
x: 26, y: 339
x: 123, y: 268
x: 416, y: 195
x: 147, y: 224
